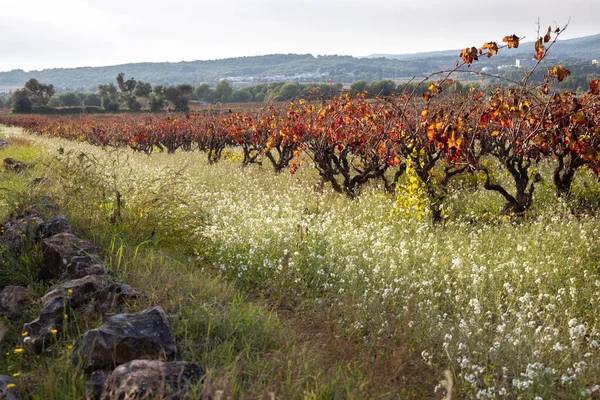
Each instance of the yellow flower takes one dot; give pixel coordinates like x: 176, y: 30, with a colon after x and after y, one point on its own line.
x: 69, y: 346
x: 70, y: 291
x: 54, y: 331
x: 25, y: 334
x: 10, y: 386
x: 16, y: 374
x: 18, y: 350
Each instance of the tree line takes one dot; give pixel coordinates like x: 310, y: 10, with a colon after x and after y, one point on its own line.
x: 134, y: 95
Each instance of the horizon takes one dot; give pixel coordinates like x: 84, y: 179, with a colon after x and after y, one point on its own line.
x: 74, y: 34
x: 270, y: 54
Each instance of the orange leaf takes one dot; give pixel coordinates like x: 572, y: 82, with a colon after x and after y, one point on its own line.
x: 491, y: 47
x: 512, y: 41
x: 559, y: 72
x: 469, y: 55
x: 540, y: 50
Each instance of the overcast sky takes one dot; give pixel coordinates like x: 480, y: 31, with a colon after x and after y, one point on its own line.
x: 38, y: 34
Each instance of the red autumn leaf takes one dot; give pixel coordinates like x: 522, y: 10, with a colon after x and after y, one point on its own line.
x: 547, y: 36
x: 540, y: 50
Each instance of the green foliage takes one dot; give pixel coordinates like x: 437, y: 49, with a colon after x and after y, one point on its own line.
x: 223, y: 91
x: 20, y: 102
x: 381, y: 88
x: 109, y: 97
x: 105, y: 191
x: 39, y: 94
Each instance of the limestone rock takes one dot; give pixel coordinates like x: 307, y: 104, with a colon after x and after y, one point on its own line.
x: 54, y: 227
x: 60, y: 249
x: 85, y: 296
x: 151, y: 379
x: 94, y: 386
x: 82, y: 266
x: 16, y: 233
x: 126, y: 337
x: 40, y: 330
x: 13, y: 299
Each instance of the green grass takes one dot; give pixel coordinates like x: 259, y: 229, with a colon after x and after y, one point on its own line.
x: 276, y: 288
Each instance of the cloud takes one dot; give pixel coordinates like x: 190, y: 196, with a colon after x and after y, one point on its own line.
x: 41, y: 34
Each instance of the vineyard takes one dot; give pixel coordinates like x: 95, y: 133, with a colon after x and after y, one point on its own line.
x: 351, y: 140
x: 426, y: 246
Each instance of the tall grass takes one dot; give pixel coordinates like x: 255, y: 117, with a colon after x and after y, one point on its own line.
x: 507, y: 304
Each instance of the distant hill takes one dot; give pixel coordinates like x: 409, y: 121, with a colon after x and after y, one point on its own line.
x: 292, y: 67
x: 581, y: 49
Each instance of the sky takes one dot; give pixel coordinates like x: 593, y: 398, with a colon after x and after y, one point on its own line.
x: 40, y: 34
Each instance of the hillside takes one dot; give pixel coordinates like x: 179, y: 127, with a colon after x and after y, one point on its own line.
x: 578, y: 49
x: 292, y: 67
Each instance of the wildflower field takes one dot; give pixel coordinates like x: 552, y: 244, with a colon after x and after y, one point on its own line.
x: 376, y: 300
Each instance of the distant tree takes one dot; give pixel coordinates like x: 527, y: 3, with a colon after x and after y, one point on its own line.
x: 359, y: 86
x: 179, y: 96
x: 91, y: 99
x: 157, y: 100
x: 39, y: 94
x: 69, y: 99
x: 223, y: 91
x: 201, y: 91
x: 381, y: 88
x: 259, y: 92
x: 21, y: 103
x: 241, y: 96
x: 127, y: 88
x: 143, y: 89
x: 288, y: 91
x: 109, y: 97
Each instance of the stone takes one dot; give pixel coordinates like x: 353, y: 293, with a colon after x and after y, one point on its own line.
x: 94, y: 386
x: 13, y: 300
x: 20, y: 231
x: 76, y: 292
x: 39, y: 331
x: 112, y: 297
x: 126, y: 337
x: 54, y: 227
x: 81, y: 266
x: 60, y: 249
x: 91, y: 294
x: 12, y: 165
x: 151, y: 379
x: 4, y: 143
x: 94, y: 292
x: 7, y: 393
